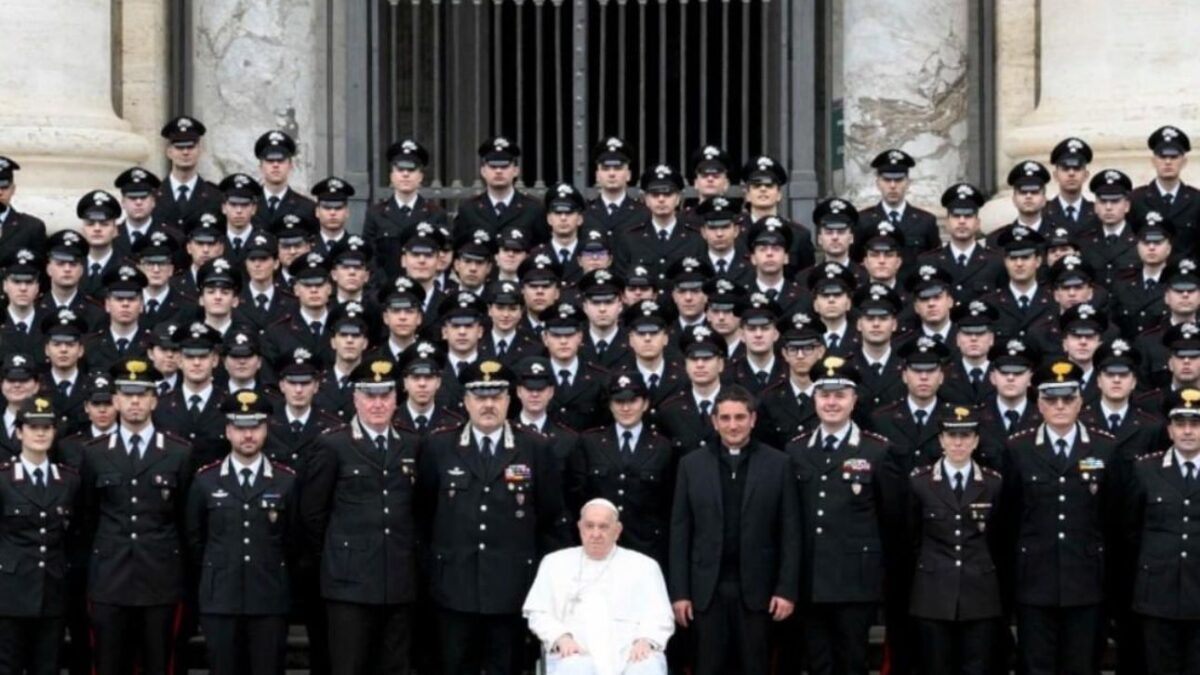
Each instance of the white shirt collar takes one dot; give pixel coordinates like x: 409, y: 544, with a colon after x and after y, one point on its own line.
x: 235, y: 468
x: 956, y: 251
x: 411, y: 204
x: 1029, y: 294
x: 573, y: 366
x: 1163, y: 191
x: 1000, y: 405
x: 496, y: 437
x: 1105, y: 411
x: 191, y: 185
x: 840, y: 435
x: 204, y: 395
x: 303, y: 419
x: 711, y: 399
x: 1179, y: 460
x: 147, y: 436
x: 1053, y: 438
x: 662, y: 367
x: 887, y: 209
x: 913, y: 407
x: 539, y: 424
x: 59, y: 380
x: 635, y: 434
x: 30, y: 467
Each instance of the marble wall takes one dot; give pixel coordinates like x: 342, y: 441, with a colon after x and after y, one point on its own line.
x: 260, y: 65
x: 904, y: 84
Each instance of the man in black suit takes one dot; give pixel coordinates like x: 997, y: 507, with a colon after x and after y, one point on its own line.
x: 785, y: 409
x: 734, y: 553
x: 911, y: 424
x: 184, y: 194
x: 243, y: 532
x: 358, y: 509
x: 124, y: 336
x: 1061, y: 467
x: 1028, y: 182
x: 135, y: 483
x: 647, y: 323
x: 564, y: 215
x: 507, y: 340
x: 17, y: 230
x: 388, y: 222
x: 155, y: 256
x: 1108, y: 243
x: 275, y: 150
x: 1158, y: 522
x: 1167, y: 194
x: 20, y: 319
x: 579, y: 385
x: 686, y: 418
x: 64, y: 379
x: 241, y: 210
x: 1069, y: 208
x: 501, y: 204
x: 605, y: 342
x: 918, y: 228
x: 333, y: 214
x: 613, y: 209
x: 848, y: 484
x: 491, y: 506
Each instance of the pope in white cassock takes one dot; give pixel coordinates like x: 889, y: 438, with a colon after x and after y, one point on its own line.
x: 600, y: 609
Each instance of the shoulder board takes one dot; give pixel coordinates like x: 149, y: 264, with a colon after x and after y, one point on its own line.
x: 329, y: 417
x: 1146, y: 414
x: 286, y: 318
x: 1129, y: 273
x: 889, y: 406
x: 341, y: 426
x: 596, y: 368
x: 1025, y: 432
x: 440, y: 431
x: 212, y: 465
x: 66, y: 467
x: 775, y: 385
x: 872, y: 434
x: 5, y: 466
x: 677, y: 396
x: 921, y: 469
x: 173, y: 436
x: 1150, y: 458
x: 99, y: 440
x: 799, y: 438
x: 1157, y: 328
x: 560, y: 425
x: 284, y: 468
x: 1102, y: 433
x: 990, y: 472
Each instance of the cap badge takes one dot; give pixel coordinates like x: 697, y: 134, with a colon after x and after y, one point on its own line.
x: 832, y: 363
x: 1061, y: 370
x: 1189, y: 396
x: 41, y: 404
x: 537, y: 368
x: 301, y: 355
x: 961, y: 413
x: 381, y: 369
x: 488, y: 369
x: 247, y: 399
x: 135, y: 367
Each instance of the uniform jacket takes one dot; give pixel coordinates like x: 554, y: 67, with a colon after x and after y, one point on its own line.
x: 242, y: 540
x: 206, y: 199
x: 34, y: 535
x: 1163, y: 528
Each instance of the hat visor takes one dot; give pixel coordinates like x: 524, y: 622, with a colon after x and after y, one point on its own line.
x: 626, y: 395
x: 534, y: 383
x: 1023, y: 251
x: 1169, y: 149
x: 380, y: 387
x: 134, y: 388
x: 464, y: 319
x: 1013, y: 368
x: 487, y: 389
x: 1116, y: 368
x: 1058, y: 389
x: 564, y: 330
x: 702, y: 351
x: 246, y: 421
x: 923, y: 366
x: 835, y: 384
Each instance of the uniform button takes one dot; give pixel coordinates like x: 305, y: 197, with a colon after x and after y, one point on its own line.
x: 133, y: 482
x: 385, y: 512
x: 42, y: 514
x: 132, y: 518
x: 1062, y: 535
x: 958, y: 516
x: 821, y: 495
x: 482, y: 526
x: 245, y: 523
x: 622, y: 476
x: 620, y: 507
x: 42, y: 549
x: 245, y: 507
x: 133, y: 500
x: 818, y: 530
x: 483, y: 507
x: 958, y: 563
x: 246, y: 558
x: 1062, y: 479
x: 246, y: 540
x: 41, y: 563
x: 1062, y: 516
x: 42, y: 531
x: 133, y: 536
x: 958, y: 533
x: 387, y: 530
x: 385, y: 472
x: 620, y: 492
x: 487, y: 488
x: 824, y: 478
x: 1062, y: 498
x: 820, y: 513
x: 1187, y: 502
x: 958, y: 547
x: 1185, y: 519
x: 482, y: 546
x: 385, y: 493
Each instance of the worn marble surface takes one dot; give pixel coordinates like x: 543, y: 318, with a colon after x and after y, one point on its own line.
x: 259, y: 65
x: 57, y: 120
x: 905, y: 85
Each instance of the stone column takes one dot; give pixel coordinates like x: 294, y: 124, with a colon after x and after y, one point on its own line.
x: 260, y: 65
x: 1108, y: 76
x: 145, y: 64
x: 57, y: 119
x: 905, y: 85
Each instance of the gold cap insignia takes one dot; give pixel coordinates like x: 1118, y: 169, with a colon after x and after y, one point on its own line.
x: 1189, y: 397
x: 961, y: 413
x: 247, y: 399
x: 1061, y: 370
x: 135, y: 368
x: 832, y: 363
x: 381, y: 369
x: 42, y: 405
x: 489, y: 368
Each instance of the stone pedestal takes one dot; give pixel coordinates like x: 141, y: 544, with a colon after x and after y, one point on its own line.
x: 1105, y: 75
x: 56, y: 114
x: 905, y: 85
x: 260, y: 65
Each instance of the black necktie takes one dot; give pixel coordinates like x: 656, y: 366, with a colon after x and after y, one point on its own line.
x: 662, y: 235
x: 237, y: 245
x: 22, y: 327
x: 601, y: 346
x: 938, y: 337
x: 830, y: 443
x: 705, y: 407
x: 976, y: 379
x: 261, y: 299
x: 612, y: 208
x: 501, y: 207
x: 877, y: 368
x: 487, y: 447
x: 894, y: 216
x: 653, y: 382
x: 564, y: 378
x: 39, y: 478
x: 405, y: 211
x: 246, y: 474
x: 460, y: 367
x: 1191, y: 472
x: 381, y: 442
x: 343, y: 381
x: 94, y: 270
x: 564, y: 256
x: 135, y: 236
x: 721, y: 267
x: 272, y: 204
x: 182, y: 194
x: 164, y: 388
x: 1013, y: 417
x: 1061, y: 447
x: 64, y: 388
x: 1168, y: 199
x: 761, y: 377
x: 627, y: 444
x: 122, y: 345
x: 1114, y: 421
x: 832, y: 340
x: 802, y: 399
x: 920, y: 415
x: 1024, y: 302
x: 502, y: 347
x: 194, y: 405
x: 772, y: 293
x: 151, y: 306
x: 1151, y: 284
x: 958, y: 485
x: 297, y: 427
x: 135, y: 446
x: 422, y: 422
x: 962, y: 259
x: 1070, y: 212
x: 1110, y: 239
x: 315, y: 327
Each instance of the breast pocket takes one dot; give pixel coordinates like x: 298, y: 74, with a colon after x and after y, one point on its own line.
x: 108, y: 480
x: 166, y: 485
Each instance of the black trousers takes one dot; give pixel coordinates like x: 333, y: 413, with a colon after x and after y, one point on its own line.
x: 1172, y: 647
x: 122, y: 632
x: 836, y: 637
x: 245, y: 645
x: 308, y: 609
x: 30, y: 645
x: 1059, y: 640
x: 77, y: 657
x: 471, y: 643
x: 955, y: 647
x: 369, y: 639
x: 729, y: 637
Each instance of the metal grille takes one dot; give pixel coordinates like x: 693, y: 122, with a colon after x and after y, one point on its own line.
x: 668, y: 76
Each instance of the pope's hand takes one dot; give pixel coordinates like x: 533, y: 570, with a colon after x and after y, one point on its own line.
x: 641, y: 650
x: 683, y: 612
x: 780, y: 608
x: 567, y: 646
